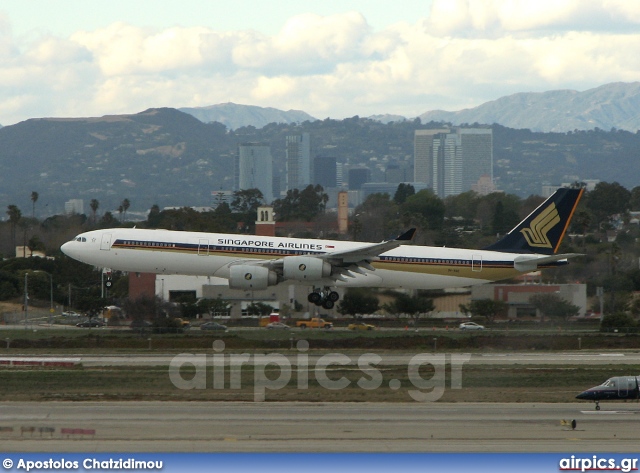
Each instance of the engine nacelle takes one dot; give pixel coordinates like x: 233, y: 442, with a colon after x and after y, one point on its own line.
x: 305, y: 268
x: 249, y: 277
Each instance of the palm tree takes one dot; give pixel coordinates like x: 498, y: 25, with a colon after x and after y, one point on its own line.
x: 34, y: 199
x: 125, y: 206
x: 120, y: 210
x: 94, y: 204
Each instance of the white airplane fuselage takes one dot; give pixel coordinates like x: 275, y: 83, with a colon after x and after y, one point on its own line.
x: 213, y: 254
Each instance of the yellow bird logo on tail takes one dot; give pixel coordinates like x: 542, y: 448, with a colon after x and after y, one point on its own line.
x: 536, y: 234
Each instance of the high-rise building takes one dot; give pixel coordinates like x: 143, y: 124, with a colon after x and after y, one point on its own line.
x: 255, y: 169
x: 325, y: 171
x: 453, y: 162
x: 74, y: 206
x: 423, y: 154
x: 358, y: 177
x: 298, y: 156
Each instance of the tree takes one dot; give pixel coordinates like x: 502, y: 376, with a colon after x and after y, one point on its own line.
x: 259, y: 308
x: 247, y: 201
x: 94, y: 204
x: 125, y: 206
x: 426, y: 207
x: 34, y: 199
x: 403, y: 192
x: 358, y: 301
x: 301, y: 205
x: 608, y: 199
x: 554, y: 306
x: 487, y: 308
x: 413, y: 306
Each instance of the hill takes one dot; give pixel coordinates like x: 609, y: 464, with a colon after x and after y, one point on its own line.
x: 615, y: 105
x: 169, y: 158
x: 235, y: 116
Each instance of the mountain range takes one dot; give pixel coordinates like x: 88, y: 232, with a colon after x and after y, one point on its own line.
x: 167, y: 157
x: 235, y: 116
x: 615, y: 105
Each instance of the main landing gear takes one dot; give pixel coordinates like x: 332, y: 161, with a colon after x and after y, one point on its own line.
x: 597, y: 405
x: 324, y: 297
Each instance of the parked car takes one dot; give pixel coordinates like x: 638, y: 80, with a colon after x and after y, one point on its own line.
x: 90, y: 323
x: 213, y: 326
x: 277, y: 326
x: 471, y: 326
x: 361, y: 326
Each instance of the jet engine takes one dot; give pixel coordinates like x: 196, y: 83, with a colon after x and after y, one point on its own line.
x: 250, y: 277
x: 305, y: 268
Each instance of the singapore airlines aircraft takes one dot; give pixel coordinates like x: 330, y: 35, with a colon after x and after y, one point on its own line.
x: 256, y: 262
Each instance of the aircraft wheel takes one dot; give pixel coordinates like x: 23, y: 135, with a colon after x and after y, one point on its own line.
x: 328, y: 304
x: 333, y: 296
x: 314, y: 297
x: 597, y: 406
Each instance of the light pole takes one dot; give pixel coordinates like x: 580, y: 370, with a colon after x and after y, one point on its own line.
x: 50, y: 292
x: 26, y: 298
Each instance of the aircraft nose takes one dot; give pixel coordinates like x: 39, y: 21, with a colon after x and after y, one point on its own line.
x: 585, y: 395
x: 67, y: 248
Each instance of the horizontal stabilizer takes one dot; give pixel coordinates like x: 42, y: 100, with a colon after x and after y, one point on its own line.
x: 526, y: 263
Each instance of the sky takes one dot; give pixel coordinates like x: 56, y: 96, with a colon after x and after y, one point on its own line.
x: 337, y: 59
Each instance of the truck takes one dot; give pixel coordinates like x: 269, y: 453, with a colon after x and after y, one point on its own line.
x: 314, y: 322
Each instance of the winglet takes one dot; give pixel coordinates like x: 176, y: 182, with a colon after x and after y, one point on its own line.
x: 407, y: 236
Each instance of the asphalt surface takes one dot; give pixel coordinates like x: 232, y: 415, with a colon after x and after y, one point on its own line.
x: 317, y: 427
x: 580, y: 358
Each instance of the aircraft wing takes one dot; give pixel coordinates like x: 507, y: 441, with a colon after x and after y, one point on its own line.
x: 531, y: 262
x: 368, y: 252
x: 347, y: 262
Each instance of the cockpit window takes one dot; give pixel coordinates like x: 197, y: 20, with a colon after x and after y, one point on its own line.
x: 610, y: 383
x: 80, y: 239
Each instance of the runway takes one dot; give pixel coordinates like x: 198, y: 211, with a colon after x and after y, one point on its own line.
x: 579, y: 358
x: 318, y: 427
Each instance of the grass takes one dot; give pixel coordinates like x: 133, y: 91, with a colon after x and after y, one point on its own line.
x: 479, y: 384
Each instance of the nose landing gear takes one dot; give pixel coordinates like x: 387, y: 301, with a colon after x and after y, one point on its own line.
x: 324, y: 297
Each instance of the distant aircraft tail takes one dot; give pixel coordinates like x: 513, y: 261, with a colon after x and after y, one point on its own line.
x: 542, y: 231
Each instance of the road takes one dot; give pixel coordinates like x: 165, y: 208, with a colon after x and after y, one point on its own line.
x: 319, y: 427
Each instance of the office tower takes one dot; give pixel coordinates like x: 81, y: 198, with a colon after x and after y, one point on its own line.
x: 74, y: 206
x: 395, y: 174
x: 452, y: 162
x: 357, y: 177
x: 477, y: 155
x: 325, y: 171
x: 423, y: 154
x: 255, y: 169
x: 298, y: 156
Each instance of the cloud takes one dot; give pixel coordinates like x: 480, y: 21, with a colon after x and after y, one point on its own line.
x: 465, y: 53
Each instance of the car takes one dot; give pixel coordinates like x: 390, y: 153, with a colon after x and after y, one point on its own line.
x: 90, y: 323
x: 361, y: 326
x: 470, y: 326
x: 277, y: 326
x: 213, y: 326
x: 140, y: 324
x: 71, y: 313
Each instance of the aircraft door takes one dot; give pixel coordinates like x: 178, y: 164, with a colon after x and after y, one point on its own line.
x: 105, y: 244
x: 203, y: 247
x: 623, y: 386
x: 476, y: 263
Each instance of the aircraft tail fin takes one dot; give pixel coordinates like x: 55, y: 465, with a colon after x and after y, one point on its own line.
x: 543, y: 230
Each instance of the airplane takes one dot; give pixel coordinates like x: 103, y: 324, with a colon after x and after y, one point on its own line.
x: 619, y: 387
x: 256, y: 262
